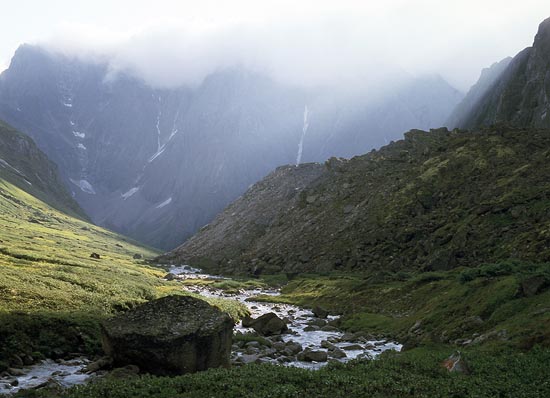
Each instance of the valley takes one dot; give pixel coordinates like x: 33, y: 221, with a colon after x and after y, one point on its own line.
x: 195, y: 221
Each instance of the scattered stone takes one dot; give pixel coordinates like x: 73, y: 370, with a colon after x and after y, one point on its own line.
x: 319, y: 312
x: 317, y: 322
x: 352, y: 347
x: 329, y: 328
x: 337, y: 353
x: 267, y: 325
x: 95, y: 255
x: 169, y: 336
x: 170, y: 276
x: 100, y: 364
x: 455, y: 363
x: 126, y: 372
x: 533, y: 285
x: 15, y: 372
x: 138, y: 256
x: 309, y: 355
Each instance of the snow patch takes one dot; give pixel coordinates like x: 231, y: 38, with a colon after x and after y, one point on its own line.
x: 68, y: 105
x: 5, y: 164
x: 543, y: 116
x: 132, y: 191
x: 78, y: 134
x: 81, y: 146
x: 84, y: 186
x: 71, y: 122
x: 304, y: 131
x: 165, y: 203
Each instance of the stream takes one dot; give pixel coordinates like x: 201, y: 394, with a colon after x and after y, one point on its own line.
x: 302, y: 327
x: 306, y: 332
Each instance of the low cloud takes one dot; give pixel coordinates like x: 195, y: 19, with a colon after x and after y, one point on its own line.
x: 341, y: 50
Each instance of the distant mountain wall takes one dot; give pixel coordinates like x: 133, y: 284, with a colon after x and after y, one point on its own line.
x: 158, y: 164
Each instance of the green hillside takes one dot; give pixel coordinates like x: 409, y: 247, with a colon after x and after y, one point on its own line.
x: 51, y: 291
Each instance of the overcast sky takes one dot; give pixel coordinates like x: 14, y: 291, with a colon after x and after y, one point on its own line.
x: 171, y: 42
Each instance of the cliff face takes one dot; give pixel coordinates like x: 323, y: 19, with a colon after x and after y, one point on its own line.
x: 435, y: 200
x: 520, y: 94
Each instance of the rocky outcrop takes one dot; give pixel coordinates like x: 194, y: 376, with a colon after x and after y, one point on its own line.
x: 433, y: 201
x: 169, y: 336
x: 520, y: 94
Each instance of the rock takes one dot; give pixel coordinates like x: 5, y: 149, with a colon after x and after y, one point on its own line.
x: 169, y: 336
x: 319, y: 312
x: 267, y: 325
x: 311, y: 328
x: 247, y: 321
x: 309, y: 355
x: 533, y: 285
x: 329, y: 328
x: 95, y: 255
x: 101, y: 363
x: 170, y: 276
x: 137, y: 256
x: 352, y: 347
x: 416, y: 328
x: 16, y: 372
x: 13, y: 382
x: 455, y: 363
x: 127, y: 372
x: 16, y: 361
x: 337, y: 353
x: 293, y: 348
x: 317, y: 322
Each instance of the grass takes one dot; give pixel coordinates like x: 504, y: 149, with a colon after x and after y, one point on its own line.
x: 52, y: 293
x: 414, y: 373
x: 450, y: 305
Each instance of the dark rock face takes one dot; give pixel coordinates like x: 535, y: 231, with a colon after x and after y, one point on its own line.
x: 433, y: 201
x: 519, y: 96
x: 170, y: 336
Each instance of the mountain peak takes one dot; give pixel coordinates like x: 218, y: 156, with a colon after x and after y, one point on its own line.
x: 542, y: 38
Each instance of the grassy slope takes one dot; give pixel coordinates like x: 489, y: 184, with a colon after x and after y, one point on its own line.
x: 51, y: 292
x: 447, y: 304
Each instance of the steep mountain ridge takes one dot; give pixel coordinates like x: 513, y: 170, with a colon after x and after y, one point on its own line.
x: 135, y: 157
x: 433, y: 201
x: 519, y: 96
x: 28, y: 168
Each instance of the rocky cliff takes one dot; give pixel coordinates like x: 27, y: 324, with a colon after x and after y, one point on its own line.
x: 519, y: 96
x: 433, y: 201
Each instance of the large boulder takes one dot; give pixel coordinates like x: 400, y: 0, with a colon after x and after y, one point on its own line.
x: 267, y: 325
x: 169, y: 336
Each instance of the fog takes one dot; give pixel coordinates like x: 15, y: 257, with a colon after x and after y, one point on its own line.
x: 344, y: 44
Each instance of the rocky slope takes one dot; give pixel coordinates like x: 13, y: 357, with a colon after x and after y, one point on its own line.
x: 28, y: 168
x: 157, y: 164
x: 519, y: 96
x: 433, y: 201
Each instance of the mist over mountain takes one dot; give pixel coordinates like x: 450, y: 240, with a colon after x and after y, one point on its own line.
x: 157, y: 164
x: 514, y: 91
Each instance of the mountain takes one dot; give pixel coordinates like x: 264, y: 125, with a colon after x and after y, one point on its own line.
x: 518, y: 96
x: 158, y: 164
x: 433, y: 201
x: 25, y: 166
x: 470, y: 103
